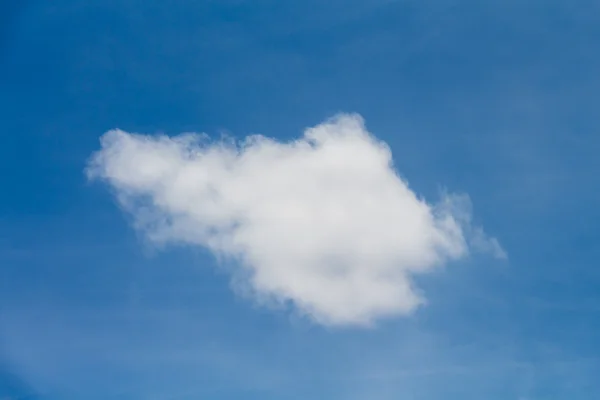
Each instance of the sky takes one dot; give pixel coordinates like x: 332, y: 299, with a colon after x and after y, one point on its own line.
x: 353, y: 200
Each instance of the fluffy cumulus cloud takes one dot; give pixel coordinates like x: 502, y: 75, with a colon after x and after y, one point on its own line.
x: 323, y: 222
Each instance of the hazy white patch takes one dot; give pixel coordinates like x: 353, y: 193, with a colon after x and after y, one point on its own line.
x: 323, y: 222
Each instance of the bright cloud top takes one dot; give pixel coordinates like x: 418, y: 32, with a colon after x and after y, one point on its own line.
x: 322, y: 222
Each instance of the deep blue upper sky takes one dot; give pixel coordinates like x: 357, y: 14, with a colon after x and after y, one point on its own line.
x: 494, y: 98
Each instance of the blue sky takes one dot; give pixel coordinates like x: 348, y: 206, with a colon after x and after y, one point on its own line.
x: 495, y: 99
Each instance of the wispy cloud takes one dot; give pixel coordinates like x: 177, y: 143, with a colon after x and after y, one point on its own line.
x: 323, y: 222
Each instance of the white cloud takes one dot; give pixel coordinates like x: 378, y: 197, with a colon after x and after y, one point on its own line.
x: 323, y: 222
